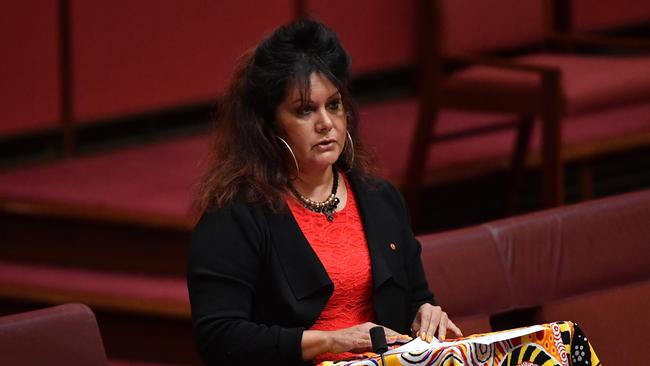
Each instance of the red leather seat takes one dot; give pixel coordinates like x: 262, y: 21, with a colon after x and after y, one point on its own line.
x: 588, y: 83
x: 62, y: 335
x: 615, y: 320
x: 532, y: 259
x: 586, y: 262
x: 389, y: 127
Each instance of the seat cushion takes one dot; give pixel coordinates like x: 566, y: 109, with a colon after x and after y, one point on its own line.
x: 603, y: 131
x: 388, y: 128
x: 616, y: 320
x: 150, y: 179
x: 588, y: 82
x: 60, y: 335
x: 462, y: 262
x: 152, y: 295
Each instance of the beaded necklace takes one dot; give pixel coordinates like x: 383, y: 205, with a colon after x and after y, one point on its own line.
x: 326, y: 207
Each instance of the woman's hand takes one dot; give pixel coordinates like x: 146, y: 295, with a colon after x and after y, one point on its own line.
x: 354, y: 339
x: 431, y: 320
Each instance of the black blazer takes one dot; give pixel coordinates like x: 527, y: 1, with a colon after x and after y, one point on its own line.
x: 255, y: 284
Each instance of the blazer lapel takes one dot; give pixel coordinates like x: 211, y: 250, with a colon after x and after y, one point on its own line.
x: 373, y: 223
x: 305, y: 272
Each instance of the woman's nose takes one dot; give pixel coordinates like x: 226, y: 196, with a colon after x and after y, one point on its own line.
x: 324, y: 122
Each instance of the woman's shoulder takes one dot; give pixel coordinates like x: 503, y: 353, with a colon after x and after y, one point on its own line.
x: 374, y: 184
x: 234, y: 229
x: 380, y: 191
x: 236, y: 214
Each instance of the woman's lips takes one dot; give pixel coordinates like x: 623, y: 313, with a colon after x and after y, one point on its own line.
x: 325, y: 145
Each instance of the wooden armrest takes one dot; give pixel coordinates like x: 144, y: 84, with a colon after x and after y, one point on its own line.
x: 596, y: 40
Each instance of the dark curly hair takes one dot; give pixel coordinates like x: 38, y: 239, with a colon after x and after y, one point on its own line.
x: 247, y: 160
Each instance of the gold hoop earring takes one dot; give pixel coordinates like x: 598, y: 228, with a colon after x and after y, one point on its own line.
x: 351, y: 164
x: 295, y: 161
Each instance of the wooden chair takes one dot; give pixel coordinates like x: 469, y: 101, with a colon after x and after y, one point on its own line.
x: 606, y: 26
x: 498, y: 51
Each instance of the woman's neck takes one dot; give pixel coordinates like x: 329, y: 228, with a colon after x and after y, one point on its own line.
x: 315, y: 184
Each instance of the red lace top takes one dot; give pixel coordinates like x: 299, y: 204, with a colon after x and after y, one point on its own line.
x: 341, y: 247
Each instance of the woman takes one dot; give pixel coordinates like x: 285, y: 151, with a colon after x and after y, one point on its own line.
x: 300, y: 250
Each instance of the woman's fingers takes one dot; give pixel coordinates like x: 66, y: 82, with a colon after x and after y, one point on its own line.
x: 425, y: 320
x: 434, y: 323
x: 442, y: 326
x: 421, y: 322
x: 415, y: 327
x: 431, y: 320
x: 391, y: 333
x: 357, y: 338
x: 454, y: 329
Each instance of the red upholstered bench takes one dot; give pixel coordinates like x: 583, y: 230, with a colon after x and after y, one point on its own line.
x: 132, y: 293
x: 586, y: 262
x: 149, y: 184
x: 61, y: 335
x: 130, y: 308
x: 66, y: 334
x: 616, y: 319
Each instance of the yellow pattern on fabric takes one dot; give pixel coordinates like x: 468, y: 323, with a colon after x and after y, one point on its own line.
x: 547, y: 347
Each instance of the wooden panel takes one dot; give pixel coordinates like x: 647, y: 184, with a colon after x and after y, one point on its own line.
x: 378, y: 34
x: 29, y: 97
x: 133, y: 56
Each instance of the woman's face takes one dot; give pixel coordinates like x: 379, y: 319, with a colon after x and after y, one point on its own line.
x: 315, y: 130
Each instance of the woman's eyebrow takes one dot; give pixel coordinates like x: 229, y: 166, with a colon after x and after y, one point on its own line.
x: 299, y: 102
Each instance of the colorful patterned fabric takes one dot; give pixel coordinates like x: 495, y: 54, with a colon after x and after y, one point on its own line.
x: 558, y: 344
